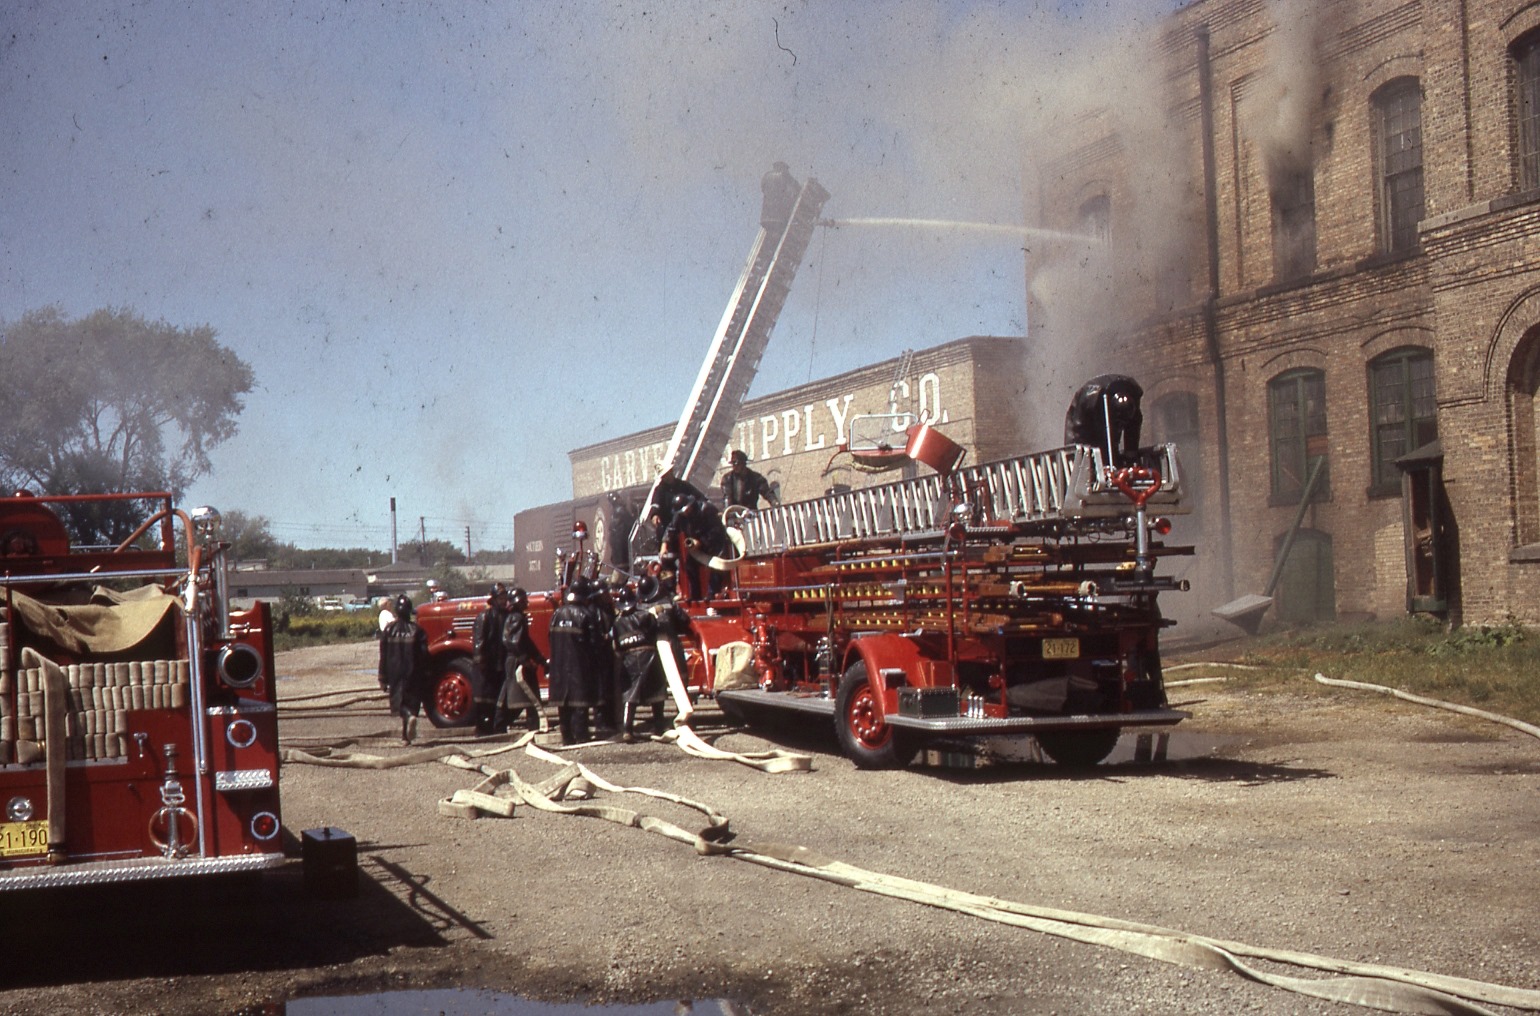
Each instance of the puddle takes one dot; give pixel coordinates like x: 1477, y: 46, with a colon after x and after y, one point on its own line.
x: 466, y: 1002
x: 1149, y: 747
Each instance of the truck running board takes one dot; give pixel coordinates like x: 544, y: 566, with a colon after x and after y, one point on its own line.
x: 817, y: 704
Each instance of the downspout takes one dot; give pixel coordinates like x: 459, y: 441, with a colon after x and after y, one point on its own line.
x: 1211, y: 305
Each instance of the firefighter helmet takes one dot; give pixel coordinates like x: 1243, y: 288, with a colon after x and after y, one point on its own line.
x: 403, y: 608
x: 625, y: 599
x: 646, y: 589
x: 498, y: 592
x: 518, y: 599
x: 580, y: 590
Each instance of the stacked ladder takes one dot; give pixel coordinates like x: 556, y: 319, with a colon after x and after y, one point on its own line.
x: 1058, y: 487
x: 695, y: 451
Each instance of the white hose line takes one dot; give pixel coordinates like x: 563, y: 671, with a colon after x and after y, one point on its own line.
x: 1226, y: 666
x: 1528, y: 728
x: 676, y: 686
x: 773, y: 761
x: 1392, y: 989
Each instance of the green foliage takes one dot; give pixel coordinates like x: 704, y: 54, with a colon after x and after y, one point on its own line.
x: 110, y: 403
x: 1491, y: 667
x: 326, y: 629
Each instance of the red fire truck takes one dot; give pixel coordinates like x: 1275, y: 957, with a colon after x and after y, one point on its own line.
x: 138, y: 719
x: 1016, y: 597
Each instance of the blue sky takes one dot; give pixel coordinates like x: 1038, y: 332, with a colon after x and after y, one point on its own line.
x: 457, y: 240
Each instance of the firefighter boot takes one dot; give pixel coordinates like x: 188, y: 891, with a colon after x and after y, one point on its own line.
x: 533, y: 723
x: 659, y: 727
x: 628, y: 724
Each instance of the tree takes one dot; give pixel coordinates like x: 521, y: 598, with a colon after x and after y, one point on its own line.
x: 110, y: 403
x: 250, y: 536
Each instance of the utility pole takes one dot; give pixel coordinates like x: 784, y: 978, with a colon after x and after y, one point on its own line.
x: 422, y: 540
x: 467, y: 544
x: 394, y: 555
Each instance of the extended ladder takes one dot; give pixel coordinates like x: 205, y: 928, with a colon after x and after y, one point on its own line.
x: 711, y: 411
x: 1061, y: 487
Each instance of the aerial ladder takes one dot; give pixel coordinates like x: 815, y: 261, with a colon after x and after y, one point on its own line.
x: 695, y: 450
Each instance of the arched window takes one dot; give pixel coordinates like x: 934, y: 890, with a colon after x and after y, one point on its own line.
x: 1523, y: 423
x: 1096, y: 217
x: 1403, y: 414
x: 1176, y: 422
x: 1296, y: 419
x: 1398, y: 123
x: 1525, y: 54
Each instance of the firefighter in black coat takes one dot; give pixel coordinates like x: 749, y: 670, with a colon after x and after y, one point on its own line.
x: 520, y: 691
x: 1105, y: 414
x: 779, y: 190
x: 404, y: 666
x: 487, y: 648
x: 744, y: 487
x: 574, y: 668
x: 635, y: 634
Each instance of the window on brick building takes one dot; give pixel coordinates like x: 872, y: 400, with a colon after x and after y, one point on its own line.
x: 1526, y: 109
x: 1402, y: 412
x: 1296, y: 421
x: 1096, y: 217
x: 1177, y: 422
x: 1293, y: 194
x: 1398, y: 108
x: 1523, y: 391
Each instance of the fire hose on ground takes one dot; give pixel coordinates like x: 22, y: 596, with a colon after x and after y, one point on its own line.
x: 570, y: 791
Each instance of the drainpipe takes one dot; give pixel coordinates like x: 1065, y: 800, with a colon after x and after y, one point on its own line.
x: 1211, y: 305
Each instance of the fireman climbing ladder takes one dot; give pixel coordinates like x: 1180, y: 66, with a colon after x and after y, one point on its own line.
x: 695, y: 450
x: 1065, y: 489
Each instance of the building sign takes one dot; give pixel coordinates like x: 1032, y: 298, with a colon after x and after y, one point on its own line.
x: 789, y: 426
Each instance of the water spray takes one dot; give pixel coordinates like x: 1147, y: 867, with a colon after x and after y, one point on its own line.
x: 977, y: 227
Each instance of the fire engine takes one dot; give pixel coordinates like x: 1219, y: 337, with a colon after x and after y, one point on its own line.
x: 138, y: 717
x: 1009, y: 598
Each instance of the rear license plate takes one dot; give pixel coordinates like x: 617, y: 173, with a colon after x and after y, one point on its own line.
x: 1061, y: 649
x: 22, y: 839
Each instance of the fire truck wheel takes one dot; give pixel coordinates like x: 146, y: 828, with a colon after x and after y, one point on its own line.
x: 450, y: 703
x: 1079, y: 749
x: 865, y: 739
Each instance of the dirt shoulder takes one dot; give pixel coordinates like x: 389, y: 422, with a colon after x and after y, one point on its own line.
x: 1341, y: 825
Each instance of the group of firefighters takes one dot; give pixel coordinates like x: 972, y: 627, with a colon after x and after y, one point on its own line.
x: 605, y: 639
x: 603, y: 667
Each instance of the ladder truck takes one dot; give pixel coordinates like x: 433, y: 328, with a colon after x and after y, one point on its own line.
x: 1016, y: 597
x: 138, y: 714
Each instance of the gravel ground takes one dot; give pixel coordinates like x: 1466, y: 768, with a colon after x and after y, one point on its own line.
x: 1349, y: 826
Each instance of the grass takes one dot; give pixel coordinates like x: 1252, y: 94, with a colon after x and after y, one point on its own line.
x: 298, y: 631
x: 1495, y: 668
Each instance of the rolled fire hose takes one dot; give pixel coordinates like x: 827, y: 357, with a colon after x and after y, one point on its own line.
x: 56, y: 703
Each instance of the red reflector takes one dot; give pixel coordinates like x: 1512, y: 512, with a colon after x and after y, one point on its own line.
x: 1161, y: 526
x: 264, y: 825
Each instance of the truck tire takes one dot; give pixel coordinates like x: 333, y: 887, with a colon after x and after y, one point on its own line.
x: 865, y: 739
x: 449, y: 701
x: 1078, y: 749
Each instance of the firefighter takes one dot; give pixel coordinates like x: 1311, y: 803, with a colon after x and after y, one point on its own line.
x: 780, y: 191
x: 520, y: 690
x: 697, y: 525
x: 573, y: 673
x: 659, y: 597
x: 1105, y: 414
x: 606, y: 664
x: 487, y: 649
x: 744, y: 487
x: 635, y: 634
x: 404, y: 666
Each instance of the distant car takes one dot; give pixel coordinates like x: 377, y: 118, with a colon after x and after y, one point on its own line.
x: 331, y: 603
x: 357, y: 606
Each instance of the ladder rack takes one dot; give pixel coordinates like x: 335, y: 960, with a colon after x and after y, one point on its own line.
x: 1064, y: 489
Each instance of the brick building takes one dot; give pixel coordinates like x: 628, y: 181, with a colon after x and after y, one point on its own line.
x: 1328, y: 255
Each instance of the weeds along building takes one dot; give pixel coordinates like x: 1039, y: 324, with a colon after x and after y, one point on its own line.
x: 1325, y: 230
